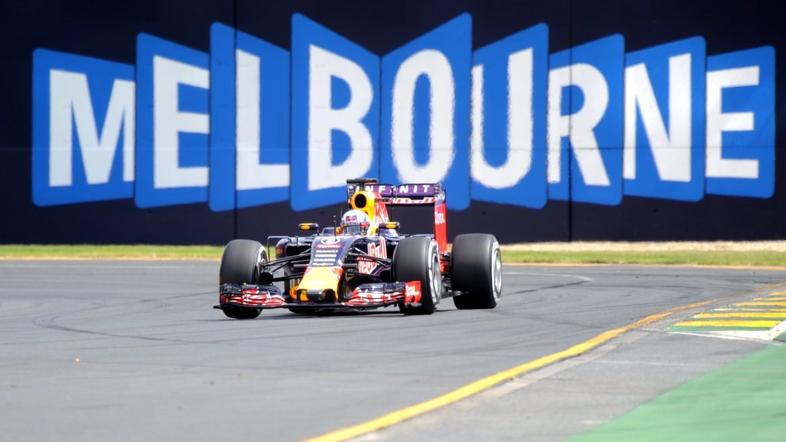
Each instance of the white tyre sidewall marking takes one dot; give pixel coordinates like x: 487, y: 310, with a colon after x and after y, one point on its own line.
x: 496, y: 271
x: 435, y: 282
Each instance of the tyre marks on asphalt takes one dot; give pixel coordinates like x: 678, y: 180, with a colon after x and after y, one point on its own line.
x: 577, y: 280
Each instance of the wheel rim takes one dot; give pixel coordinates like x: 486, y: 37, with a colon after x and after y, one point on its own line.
x: 260, y: 261
x: 496, y: 273
x: 435, y: 278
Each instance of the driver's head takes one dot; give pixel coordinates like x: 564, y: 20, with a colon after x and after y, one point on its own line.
x: 354, y: 222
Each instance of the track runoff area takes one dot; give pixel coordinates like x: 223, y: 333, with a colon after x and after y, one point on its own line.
x: 132, y: 350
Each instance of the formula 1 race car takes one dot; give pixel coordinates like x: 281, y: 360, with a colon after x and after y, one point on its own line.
x: 363, y: 263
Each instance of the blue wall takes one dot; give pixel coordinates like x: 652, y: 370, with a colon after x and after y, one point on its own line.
x: 196, y: 122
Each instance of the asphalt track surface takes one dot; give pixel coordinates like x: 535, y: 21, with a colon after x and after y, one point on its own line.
x: 105, y: 351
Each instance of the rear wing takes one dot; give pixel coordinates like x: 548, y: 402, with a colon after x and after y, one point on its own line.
x: 423, y: 194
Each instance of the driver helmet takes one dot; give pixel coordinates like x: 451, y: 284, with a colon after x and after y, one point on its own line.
x: 355, y: 222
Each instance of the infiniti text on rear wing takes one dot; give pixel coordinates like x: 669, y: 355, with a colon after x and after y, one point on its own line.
x: 403, y: 194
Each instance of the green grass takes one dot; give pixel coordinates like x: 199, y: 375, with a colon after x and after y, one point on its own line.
x: 109, y: 251
x: 723, y: 258
x: 742, y: 401
x: 727, y: 258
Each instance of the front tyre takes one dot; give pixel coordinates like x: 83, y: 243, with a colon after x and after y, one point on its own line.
x: 476, y: 271
x: 417, y: 259
x: 240, y: 265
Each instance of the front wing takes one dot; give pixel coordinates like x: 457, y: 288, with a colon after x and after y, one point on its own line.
x: 369, y: 295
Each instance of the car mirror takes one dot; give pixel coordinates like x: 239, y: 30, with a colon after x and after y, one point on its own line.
x: 307, y: 227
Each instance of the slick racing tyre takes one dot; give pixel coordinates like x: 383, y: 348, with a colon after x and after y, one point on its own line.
x: 240, y: 265
x: 477, y: 271
x: 417, y: 259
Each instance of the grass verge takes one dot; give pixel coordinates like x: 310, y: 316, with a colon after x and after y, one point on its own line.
x: 675, y: 257
x: 740, y: 401
x: 108, y: 251
x: 764, y: 258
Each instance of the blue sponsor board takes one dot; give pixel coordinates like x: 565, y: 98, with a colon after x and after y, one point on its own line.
x: 425, y: 110
x: 664, y: 121
x: 335, y: 114
x: 83, y: 129
x: 508, y: 141
x: 172, y: 123
x: 585, y: 122
x: 251, y: 123
x: 741, y: 123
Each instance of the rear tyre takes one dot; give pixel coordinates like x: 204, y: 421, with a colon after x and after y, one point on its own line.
x: 476, y: 271
x: 417, y: 259
x: 240, y: 265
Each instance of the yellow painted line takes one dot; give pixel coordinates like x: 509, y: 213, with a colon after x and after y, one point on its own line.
x: 783, y: 292
x: 764, y: 314
x: 771, y: 298
x: 483, y: 384
x: 748, y: 310
x: 728, y: 323
x: 762, y: 304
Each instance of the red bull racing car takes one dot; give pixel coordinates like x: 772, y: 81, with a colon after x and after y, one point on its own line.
x: 363, y: 263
